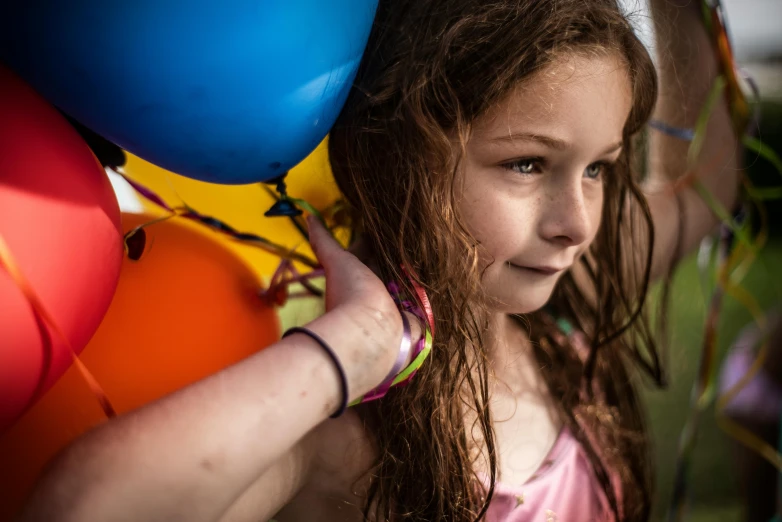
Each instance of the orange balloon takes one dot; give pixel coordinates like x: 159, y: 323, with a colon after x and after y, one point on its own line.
x: 186, y: 309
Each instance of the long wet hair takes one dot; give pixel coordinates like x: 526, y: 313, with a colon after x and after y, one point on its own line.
x: 431, y: 69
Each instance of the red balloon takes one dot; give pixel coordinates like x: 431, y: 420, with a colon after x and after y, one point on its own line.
x: 60, y: 219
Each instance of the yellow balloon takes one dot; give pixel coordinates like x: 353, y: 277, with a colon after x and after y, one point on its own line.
x: 312, y: 180
x: 243, y: 206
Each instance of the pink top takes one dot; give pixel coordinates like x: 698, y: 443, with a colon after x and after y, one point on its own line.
x: 563, y: 489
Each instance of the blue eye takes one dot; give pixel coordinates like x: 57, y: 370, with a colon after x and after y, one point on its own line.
x: 525, y: 166
x: 595, y: 170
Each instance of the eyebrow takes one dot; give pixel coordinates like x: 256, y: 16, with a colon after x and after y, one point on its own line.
x: 548, y: 141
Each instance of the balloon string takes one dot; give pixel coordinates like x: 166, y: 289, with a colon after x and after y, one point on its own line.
x: 734, y: 429
x: 702, y: 387
x: 715, y: 20
x: 217, y: 225
x: 731, y: 266
x: 286, y: 275
x: 295, y: 220
x: 43, y: 318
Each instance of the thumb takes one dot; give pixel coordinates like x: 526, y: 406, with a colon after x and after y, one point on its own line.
x: 326, y: 248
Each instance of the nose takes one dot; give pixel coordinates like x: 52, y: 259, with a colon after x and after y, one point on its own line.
x: 566, y: 218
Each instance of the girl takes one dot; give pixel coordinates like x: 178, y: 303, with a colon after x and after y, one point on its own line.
x: 486, y: 147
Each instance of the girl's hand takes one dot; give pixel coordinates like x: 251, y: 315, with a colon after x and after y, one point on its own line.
x: 356, y: 297
x: 349, y: 282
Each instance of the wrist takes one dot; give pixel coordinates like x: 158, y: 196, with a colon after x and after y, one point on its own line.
x: 366, y: 341
x: 412, y: 353
x: 416, y: 332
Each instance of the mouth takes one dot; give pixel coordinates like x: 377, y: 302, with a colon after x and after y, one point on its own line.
x: 541, y: 270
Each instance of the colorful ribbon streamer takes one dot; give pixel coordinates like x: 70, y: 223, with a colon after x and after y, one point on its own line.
x: 736, y: 252
x: 215, y: 224
x: 43, y: 318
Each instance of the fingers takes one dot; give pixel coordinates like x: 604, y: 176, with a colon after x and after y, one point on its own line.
x: 326, y: 248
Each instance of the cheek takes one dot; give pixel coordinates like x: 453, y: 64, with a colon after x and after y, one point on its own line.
x: 595, y: 212
x: 499, y: 220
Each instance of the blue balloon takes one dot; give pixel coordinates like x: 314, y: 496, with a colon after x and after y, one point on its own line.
x: 235, y: 91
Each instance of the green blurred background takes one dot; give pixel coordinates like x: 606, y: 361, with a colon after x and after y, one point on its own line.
x: 714, y: 486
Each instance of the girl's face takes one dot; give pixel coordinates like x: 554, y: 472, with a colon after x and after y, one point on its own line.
x: 532, y: 178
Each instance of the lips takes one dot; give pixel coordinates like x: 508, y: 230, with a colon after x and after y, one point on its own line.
x: 543, y: 270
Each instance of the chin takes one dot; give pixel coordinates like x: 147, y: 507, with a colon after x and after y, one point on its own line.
x: 524, y: 302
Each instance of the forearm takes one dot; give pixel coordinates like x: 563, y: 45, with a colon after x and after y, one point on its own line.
x: 688, y: 67
x: 190, y: 455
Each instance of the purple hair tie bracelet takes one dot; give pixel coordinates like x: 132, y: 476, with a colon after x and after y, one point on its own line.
x: 342, y: 377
